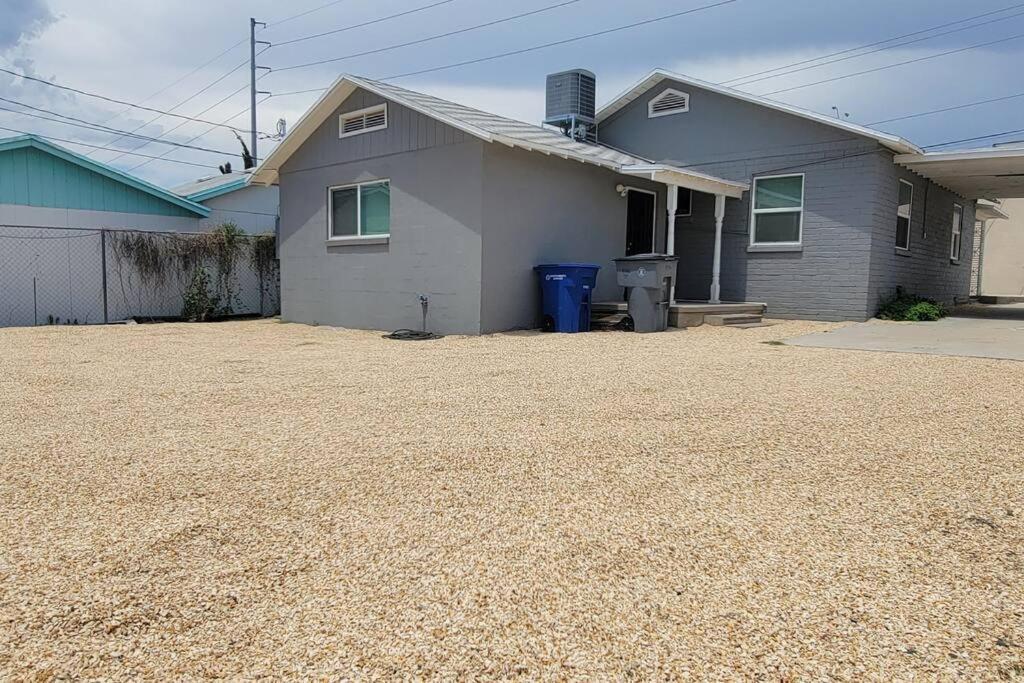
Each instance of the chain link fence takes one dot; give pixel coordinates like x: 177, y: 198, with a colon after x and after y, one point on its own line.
x: 85, y: 276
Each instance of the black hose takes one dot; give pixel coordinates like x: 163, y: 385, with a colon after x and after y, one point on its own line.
x: 412, y: 335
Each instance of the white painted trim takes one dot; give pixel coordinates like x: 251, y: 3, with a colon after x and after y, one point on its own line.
x: 910, y: 212
x: 693, y: 180
x: 956, y: 235
x: 651, y: 103
x: 754, y: 212
x: 962, y: 155
x: 361, y: 113
x: 340, y: 239
x: 716, y: 264
x: 893, y: 142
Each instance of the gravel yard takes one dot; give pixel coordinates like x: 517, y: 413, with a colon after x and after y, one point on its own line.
x: 265, y: 499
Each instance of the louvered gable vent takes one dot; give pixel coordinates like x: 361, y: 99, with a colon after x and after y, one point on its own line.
x: 363, y: 121
x: 668, y: 102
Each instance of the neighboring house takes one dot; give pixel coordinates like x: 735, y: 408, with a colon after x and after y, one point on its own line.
x: 231, y: 199
x: 43, y: 184
x: 388, y: 194
x: 999, y: 249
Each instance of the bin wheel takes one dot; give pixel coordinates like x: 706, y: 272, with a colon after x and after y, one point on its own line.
x: 626, y: 324
x: 548, y: 324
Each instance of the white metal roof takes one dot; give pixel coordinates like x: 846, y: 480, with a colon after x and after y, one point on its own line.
x: 213, y: 185
x: 987, y: 173
x: 893, y: 142
x: 490, y: 128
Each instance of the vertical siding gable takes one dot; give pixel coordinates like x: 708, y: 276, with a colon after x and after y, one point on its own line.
x: 32, y: 177
x: 407, y: 131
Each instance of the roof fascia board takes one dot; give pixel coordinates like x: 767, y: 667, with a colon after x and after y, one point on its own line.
x: 683, y: 178
x: 655, y: 77
x: 963, y: 155
x: 218, y: 191
x: 104, y: 170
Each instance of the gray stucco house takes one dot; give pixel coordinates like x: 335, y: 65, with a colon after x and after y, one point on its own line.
x: 388, y: 194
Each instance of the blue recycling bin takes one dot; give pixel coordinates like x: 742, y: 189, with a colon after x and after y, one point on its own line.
x: 565, y: 295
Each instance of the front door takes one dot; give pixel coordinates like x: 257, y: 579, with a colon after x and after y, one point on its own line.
x: 639, y: 222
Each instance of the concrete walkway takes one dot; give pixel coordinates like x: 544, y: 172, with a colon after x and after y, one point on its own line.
x: 981, y: 331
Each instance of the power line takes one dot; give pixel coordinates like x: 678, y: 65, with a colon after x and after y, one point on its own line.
x: 437, y: 36
x: 85, y: 144
x: 174, y: 83
x: 162, y: 157
x: 112, y: 99
x: 183, y: 102
x: 88, y: 125
x: 561, y: 42
x: 945, y: 109
x: 892, y: 66
x: 974, y: 139
x: 535, y: 47
x: 365, y: 23
x: 302, y: 14
x: 174, y: 128
x: 881, y: 49
x: 864, y: 47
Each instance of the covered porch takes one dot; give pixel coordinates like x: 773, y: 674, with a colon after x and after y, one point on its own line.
x: 684, y: 311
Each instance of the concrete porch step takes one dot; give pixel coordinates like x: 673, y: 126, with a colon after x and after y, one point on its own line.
x: 732, y: 319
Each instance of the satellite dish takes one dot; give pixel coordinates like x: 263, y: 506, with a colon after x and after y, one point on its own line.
x: 282, y: 128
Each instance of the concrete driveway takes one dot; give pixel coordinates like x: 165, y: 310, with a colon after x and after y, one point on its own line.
x: 977, y: 330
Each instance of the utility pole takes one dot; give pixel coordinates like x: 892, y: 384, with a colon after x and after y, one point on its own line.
x: 252, y: 81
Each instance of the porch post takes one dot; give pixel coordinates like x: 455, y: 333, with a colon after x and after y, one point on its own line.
x: 717, y: 264
x: 670, y: 233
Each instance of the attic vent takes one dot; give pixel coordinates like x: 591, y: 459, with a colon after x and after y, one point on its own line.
x: 668, y: 102
x: 363, y: 121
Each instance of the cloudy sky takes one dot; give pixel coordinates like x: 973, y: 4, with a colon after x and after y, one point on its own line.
x: 161, y: 54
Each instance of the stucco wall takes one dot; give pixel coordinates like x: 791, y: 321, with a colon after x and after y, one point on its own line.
x: 253, y: 209
x: 434, y: 249
x: 925, y: 268
x: 1002, y: 265
x: 540, y: 209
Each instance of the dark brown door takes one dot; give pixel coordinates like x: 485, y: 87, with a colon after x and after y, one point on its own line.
x: 639, y: 223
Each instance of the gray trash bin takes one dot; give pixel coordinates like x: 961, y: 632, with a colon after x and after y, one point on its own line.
x: 648, y: 278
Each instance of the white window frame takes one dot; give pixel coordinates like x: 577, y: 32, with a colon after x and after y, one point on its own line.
x: 957, y: 234
x: 651, y: 114
x: 358, y: 114
x: 755, y: 212
x: 910, y: 211
x: 331, y: 237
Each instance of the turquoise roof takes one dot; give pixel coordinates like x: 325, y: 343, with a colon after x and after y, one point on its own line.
x: 36, y: 172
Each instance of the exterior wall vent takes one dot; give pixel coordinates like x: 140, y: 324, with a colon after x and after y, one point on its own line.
x: 571, y: 103
x: 363, y: 121
x: 668, y: 102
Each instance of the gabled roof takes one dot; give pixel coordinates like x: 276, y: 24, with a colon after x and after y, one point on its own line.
x: 36, y: 142
x: 213, y: 186
x: 489, y: 128
x: 893, y: 142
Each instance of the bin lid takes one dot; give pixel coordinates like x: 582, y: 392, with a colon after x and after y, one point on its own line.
x: 567, y: 265
x: 648, y: 257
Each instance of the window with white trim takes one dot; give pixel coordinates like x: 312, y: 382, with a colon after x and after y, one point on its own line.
x: 668, y: 102
x: 363, y: 120
x: 359, y: 210
x: 958, y: 228
x: 778, y: 210
x: 904, y: 210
